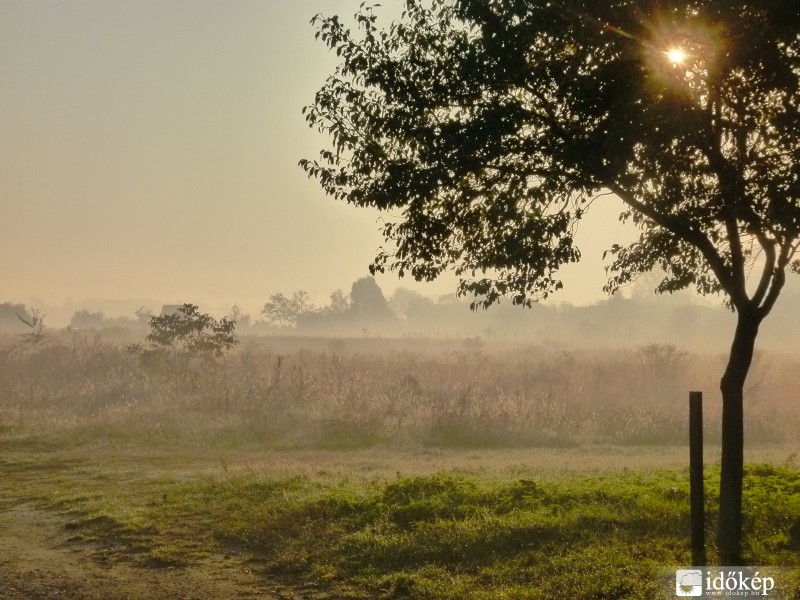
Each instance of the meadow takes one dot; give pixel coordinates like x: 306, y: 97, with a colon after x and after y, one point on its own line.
x: 376, y: 468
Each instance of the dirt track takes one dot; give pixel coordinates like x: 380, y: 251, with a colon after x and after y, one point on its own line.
x: 40, y: 560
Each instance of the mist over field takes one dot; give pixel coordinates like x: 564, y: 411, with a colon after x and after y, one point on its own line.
x: 378, y: 445
x: 226, y: 405
x: 365, y: 370
x: 363, y: 310
x: 382, y: 459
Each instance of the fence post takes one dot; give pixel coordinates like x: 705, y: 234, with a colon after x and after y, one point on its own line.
x: 696, y: 494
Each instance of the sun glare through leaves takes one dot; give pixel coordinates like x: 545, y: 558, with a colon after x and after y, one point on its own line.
x: 676, y: 56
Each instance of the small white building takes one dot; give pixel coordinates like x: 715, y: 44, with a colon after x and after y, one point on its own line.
x: 168, y: 310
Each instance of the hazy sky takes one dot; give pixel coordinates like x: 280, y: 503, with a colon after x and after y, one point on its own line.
x: 149, y: 148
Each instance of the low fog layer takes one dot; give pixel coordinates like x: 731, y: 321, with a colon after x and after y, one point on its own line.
x: 364, y: 311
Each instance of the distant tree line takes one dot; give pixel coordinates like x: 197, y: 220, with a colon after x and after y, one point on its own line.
x: 366, y: 311
x: 365, y: 308
x: 85, y: 319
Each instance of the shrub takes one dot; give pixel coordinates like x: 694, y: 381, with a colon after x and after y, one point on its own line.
x: 190, y: 330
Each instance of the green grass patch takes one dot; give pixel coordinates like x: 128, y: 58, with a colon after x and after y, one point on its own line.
x: 448, y: 535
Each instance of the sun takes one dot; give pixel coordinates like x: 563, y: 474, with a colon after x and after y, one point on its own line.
x: 676, y: 56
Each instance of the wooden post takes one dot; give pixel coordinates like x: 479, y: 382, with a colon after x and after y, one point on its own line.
x: 696, y: 494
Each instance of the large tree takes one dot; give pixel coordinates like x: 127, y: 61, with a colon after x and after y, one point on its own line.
x: 486, y: 129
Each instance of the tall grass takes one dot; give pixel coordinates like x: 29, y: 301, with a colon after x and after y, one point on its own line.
x: 358, y: 393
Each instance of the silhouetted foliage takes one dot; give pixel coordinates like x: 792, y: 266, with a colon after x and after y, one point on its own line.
x: 83, y: 319
x: 339, y: 303
x: 195, y: 332
x: 284, y: 311
x: 490, y: 128
x: 365, y: 311
x: 367, y: 300
x: 86, y: 319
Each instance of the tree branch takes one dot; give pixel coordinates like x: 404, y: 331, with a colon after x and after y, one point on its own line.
x: 778, y: 280
x: 687, y: 234
x: 767, y: 273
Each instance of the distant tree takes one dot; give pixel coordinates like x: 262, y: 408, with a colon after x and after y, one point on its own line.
x: 285, y: 311
x: 336, y: 317
x: 339, y: 304
x: 83, y: 319
x: 241, y: 319
x: 490, y: 127
x: 190, y: 330
x: 418, y: 306
x: 279, y: 309
x: 367, y: 300
x: 404, y: 299
x: 143, y: 315
x: 302, y: 302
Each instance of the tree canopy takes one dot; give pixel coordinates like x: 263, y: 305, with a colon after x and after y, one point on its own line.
x: 487, y: 128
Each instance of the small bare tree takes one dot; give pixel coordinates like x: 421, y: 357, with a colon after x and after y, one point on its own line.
x: 36, y: 325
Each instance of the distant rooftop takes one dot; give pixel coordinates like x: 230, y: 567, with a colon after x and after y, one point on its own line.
x: 170, y: 309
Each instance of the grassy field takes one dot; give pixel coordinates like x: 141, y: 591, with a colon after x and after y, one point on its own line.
x: 379, y: 469
x: 344, y: 394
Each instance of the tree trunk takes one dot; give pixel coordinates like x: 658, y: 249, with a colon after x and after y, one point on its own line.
x: 729, y: 534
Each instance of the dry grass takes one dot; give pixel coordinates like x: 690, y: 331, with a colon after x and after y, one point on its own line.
x: 345, y: 394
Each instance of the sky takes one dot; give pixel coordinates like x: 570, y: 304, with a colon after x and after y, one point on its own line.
x: 149, y: 149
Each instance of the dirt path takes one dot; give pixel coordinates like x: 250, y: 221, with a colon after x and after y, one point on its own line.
x: 39, y: 560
